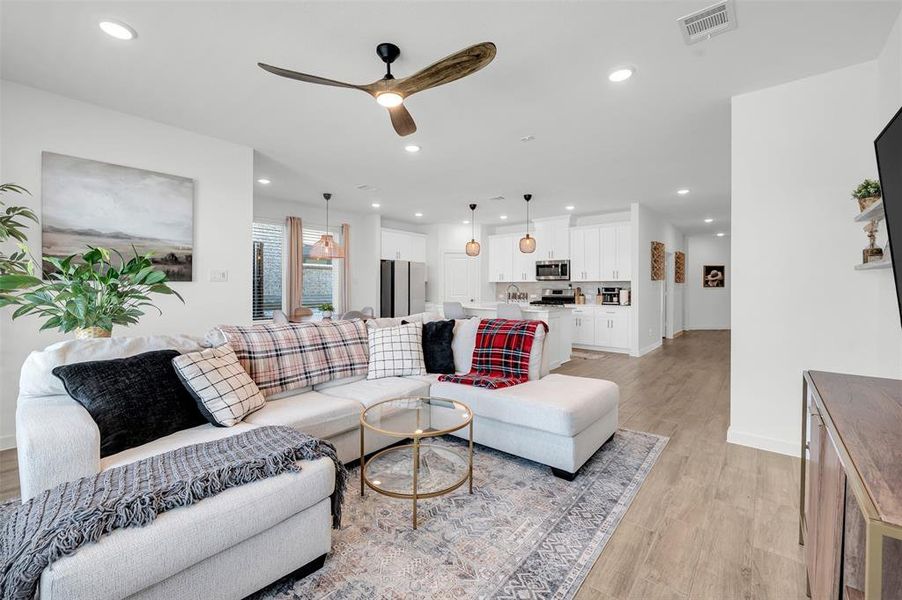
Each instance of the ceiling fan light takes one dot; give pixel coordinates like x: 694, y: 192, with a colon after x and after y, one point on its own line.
x: 472, y: 248
x: 527, y: 244
x: 389, y: 99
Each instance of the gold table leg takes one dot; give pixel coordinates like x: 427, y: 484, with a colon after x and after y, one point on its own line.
x: 416, y: 474
x: 362, y: 460
x: 471, y: 457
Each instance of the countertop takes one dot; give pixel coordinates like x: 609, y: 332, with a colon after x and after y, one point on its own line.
x: 593, y: 305
x: 527, y: 308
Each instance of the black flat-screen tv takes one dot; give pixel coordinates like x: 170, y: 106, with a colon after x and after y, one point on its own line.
x: 888, y: 146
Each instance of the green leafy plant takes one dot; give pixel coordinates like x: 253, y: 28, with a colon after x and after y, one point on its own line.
x: 326, y: 307
x: 867, y: 189
x: 95, y: 291
x: 12, y: 227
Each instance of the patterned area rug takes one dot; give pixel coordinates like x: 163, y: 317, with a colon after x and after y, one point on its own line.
x: 522, y: 534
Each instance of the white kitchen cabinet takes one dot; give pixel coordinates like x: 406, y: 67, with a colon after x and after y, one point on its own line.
x: 623, y: 248
x: 608, y: 244
x: 403, y: 245
x: 585, y: 254
x: 601, y: 327
x: 552, y: 239
x: 524, y: 264
x: 584, y: 326
x: 501, y: 258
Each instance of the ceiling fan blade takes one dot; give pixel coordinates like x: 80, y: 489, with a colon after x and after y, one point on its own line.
x: 401, y: 120
x: 304, y: 77
x: 451, y: 68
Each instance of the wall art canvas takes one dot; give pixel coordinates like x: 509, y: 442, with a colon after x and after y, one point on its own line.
x: 714, y: 276
x: 91, y: 203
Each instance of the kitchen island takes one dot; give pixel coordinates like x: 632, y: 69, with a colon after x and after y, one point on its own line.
x: 560, y: 326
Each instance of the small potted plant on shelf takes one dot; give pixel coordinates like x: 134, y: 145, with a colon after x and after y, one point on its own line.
x: 867, y: 193
x: 87, y: 293
x: 326, y: 309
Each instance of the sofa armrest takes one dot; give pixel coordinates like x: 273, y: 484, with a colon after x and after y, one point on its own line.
x: 56, y: 441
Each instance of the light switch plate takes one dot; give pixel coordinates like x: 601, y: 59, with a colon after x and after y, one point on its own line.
x: 219, y: 276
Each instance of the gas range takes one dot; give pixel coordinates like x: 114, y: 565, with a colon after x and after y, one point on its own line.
x: 551, y: 297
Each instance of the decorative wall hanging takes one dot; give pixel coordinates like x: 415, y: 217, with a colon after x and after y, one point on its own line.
x: 714, y: 276
x: 657, y: 261
x: 679, y: 267
x: 90, y: 203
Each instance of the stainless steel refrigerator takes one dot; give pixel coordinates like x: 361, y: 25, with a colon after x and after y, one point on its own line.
x: 403, y: 288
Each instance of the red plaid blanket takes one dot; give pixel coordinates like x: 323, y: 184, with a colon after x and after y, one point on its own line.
x: 501, y: 355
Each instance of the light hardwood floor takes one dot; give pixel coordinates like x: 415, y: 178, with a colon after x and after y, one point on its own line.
x: 713, y: 520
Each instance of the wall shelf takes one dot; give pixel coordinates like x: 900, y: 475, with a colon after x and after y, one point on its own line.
x: 873, y: 212
x: 883, y: 264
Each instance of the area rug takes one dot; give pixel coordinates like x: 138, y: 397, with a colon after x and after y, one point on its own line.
x: 522, y: 534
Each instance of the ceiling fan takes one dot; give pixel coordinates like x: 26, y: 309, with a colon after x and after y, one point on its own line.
x: 391, y: 93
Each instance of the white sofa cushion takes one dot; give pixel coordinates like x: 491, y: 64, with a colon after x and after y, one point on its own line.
x: 131, y: 559
x: 396, y: 351
x: 313, y: 413
x: 370, y: 391
x: 558, y: 404
x: 37, y: 380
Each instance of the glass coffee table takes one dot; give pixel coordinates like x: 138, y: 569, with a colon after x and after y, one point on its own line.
x: 416, y: 470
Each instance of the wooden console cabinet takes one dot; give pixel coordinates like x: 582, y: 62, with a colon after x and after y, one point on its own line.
x: 851, y: 486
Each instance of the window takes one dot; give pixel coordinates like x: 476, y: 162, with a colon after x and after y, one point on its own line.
x: 320, y: 277
x: 267, y: 281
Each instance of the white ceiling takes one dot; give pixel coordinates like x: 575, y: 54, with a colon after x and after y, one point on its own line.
x: 598, y: 145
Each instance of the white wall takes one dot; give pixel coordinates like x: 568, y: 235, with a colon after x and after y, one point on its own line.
x: 366, y: 241
x: 707, y: 308
x: 442, y: 238
x: 32, y: 121
x: 797, y: 151
x: 648, y: 226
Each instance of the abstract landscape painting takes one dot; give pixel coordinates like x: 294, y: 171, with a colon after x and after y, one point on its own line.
x: 91, y: 203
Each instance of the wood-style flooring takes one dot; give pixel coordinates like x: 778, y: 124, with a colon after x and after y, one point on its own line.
x: 713, y: 520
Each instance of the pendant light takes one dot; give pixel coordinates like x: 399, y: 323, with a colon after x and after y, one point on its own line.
x: 527, y: 243
x: 326, y: 247
x: 473, y: 246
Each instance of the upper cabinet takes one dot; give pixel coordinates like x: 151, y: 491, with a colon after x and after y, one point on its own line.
x: 601, y: 252
x: 403, y: 245
x: 506, y: 262
x: 552, y: 239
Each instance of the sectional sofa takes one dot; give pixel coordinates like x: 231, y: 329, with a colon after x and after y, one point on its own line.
x: 556, y: 420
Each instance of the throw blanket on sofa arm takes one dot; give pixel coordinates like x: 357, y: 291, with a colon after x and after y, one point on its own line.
x: 59, y: 521
x: 501, y: 355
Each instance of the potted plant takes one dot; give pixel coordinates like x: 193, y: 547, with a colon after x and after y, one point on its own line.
x: 867, y: 193
x: 326, y: 308
x: 87, y: 293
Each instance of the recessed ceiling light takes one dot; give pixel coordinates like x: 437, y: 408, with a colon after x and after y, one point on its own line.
x: 418, y: 214
x: 375, y: 205
x: 264, y: 181
x: 682, y: 192
x: 503, y: 217
x: 118, y: 30
x: 571, y: 207
x: 528, y: 138
x: 412, y: 148
x: 465, y: 222
x: 621, y: 74
x: 720, y: 234
x: 709, y: 220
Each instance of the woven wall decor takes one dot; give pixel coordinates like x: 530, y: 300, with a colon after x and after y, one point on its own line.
x: 657, y: 261
x: 679, y: 267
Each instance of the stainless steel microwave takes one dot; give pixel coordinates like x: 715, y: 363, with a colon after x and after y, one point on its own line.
x: 552, y: 270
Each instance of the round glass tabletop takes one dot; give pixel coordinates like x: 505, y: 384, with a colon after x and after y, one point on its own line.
x: 441, y: 469
x: 417, y: 417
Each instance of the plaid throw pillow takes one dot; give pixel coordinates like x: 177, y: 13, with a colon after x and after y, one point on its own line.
x: 290, y: 356
x: 396, y: 351
x: 223, y: 390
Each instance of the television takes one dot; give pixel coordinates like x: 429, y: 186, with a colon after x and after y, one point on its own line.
x: 888, y: 147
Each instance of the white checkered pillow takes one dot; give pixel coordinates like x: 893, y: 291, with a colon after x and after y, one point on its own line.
x: 223, y: 390
x: 396, y: 351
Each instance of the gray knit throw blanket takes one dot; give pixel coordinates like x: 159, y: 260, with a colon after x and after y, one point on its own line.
x: 59, y: 521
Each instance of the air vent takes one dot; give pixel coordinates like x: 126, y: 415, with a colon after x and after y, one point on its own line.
x: 365, y: 187
x: 497, y: 198
x: 706, y: 23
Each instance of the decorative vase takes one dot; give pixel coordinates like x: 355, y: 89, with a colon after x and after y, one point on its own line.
x: 866, y: 203
x: 83, y: 333
x: 327, y: 314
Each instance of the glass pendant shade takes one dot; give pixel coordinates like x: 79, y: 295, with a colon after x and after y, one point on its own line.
x: 472, y: 247
x: 527, y: 244
x: 326, y: 247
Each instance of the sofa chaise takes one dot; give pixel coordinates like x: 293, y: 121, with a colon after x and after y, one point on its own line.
x: 553, y: 419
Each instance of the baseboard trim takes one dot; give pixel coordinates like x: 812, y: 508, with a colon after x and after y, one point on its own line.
x: 650, y: 348
x: 7, y: 442
x: 677, y: 334
x: 753, y: 440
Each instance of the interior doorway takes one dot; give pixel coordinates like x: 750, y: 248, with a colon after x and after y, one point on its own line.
x: 460, y: 277
x: 667, y: 297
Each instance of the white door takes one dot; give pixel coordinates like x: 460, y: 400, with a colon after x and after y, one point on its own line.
x: 583, y: 327
x: 500, y: 258
x: 524, y: 264
x: 391, y: 245
x: 460, y: 274
x: 624, y: 253
x: 593, y: 254
x: 577, y: 254
x: 619, y: 329
x: 608, y: 244
x: 603, y: 334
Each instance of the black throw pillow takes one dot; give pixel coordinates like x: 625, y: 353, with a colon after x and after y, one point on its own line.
x: 133, y: 400
x: 437, y: 353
